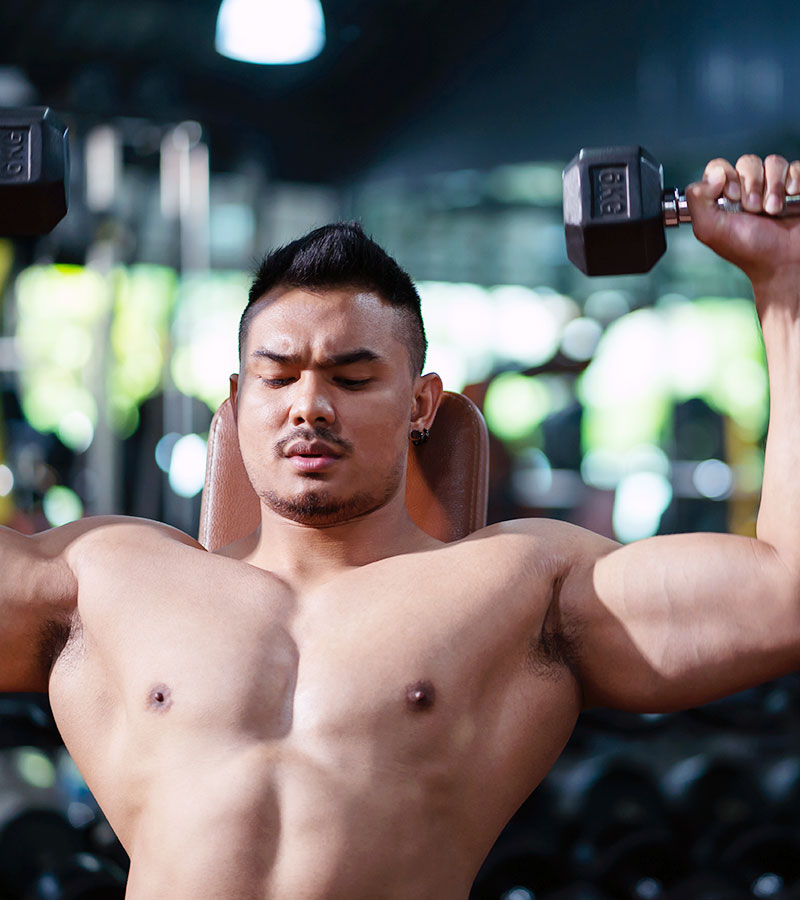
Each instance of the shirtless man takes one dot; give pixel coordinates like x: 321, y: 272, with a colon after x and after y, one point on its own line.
x: 339, y: 707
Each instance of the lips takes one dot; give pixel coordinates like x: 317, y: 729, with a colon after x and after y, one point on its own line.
x: 312, y: 456
x: 312, y: 449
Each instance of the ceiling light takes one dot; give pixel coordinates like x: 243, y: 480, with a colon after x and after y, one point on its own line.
x: 272, y: 32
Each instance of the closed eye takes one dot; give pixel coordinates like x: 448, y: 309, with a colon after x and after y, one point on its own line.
x: 349, y: 383
x: 353, y: 383
x: 277, y: 382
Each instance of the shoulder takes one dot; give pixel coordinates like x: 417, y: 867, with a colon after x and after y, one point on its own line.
x: 98, y: 536
x: 545, y: 562
x: 564, y: 544
x: 46, y: 572
x: 560, y: 558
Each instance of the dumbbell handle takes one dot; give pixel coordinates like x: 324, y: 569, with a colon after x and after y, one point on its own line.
x: 676, y: 209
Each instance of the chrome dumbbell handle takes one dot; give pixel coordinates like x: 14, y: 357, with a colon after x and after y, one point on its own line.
x: 676, y: 209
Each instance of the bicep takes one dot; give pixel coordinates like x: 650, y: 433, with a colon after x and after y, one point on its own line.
x: 680, y: 620
x: 38, y: 594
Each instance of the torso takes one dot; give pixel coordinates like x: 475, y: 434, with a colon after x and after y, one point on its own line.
x: 367, y: 738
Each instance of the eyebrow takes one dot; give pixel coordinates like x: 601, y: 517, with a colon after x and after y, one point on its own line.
x: 362, y: 354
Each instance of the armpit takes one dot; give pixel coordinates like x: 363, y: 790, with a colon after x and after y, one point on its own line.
x: 54, y: 635
x: 555, y: 648
x: 550, y: 652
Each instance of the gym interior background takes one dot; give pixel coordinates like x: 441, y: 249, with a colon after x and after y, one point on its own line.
x: 632, y: 405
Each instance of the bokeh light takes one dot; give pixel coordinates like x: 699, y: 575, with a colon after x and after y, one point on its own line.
x: 6, y: 480
x: 164, y: 448
x: 713, y: 479
x: 34, y: 767
x: 61, y: 505
x: 187, y: 466
x: 143, y: 304
x: 580, y: 338
x: 205, y: 329
x: 640, y: 501
x: 62, y: 323
x: 515, y: 405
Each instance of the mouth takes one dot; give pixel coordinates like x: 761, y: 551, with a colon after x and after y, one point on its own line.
x: 313, y: 456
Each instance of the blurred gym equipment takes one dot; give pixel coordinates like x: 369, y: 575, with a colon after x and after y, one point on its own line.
x: 34, y: 171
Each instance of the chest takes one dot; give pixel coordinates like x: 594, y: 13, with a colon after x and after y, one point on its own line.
x: 214, y: 657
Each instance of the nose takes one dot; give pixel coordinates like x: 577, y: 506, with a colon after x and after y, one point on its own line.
x: 311, y: 404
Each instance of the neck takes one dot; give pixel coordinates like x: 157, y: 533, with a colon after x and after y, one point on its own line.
x: 304, y: 555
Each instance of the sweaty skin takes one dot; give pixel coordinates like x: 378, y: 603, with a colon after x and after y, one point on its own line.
x: 338, y: 706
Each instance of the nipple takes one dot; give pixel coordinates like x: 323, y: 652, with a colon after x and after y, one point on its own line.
x: 159, y: 697
x: 420, y: 695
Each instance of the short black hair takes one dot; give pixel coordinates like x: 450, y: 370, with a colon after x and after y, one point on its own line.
x: 340, y: 255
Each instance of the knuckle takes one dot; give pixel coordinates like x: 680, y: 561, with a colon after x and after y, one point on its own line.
x: 718, y: 161
x: 750, y: 166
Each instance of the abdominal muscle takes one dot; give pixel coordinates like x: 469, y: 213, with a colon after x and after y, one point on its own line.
x: 267, y: 823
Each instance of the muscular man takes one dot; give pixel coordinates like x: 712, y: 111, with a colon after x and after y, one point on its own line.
x: 338, y: 706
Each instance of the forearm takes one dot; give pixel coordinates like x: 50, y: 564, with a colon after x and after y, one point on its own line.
x: 680, y: 620
x: 767, y: 249
x: 778, y: 519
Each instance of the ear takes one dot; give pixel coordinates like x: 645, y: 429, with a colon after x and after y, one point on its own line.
x: 427, y: 396
x: 234, y: 395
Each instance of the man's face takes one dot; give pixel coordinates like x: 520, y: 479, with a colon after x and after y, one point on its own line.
x: 325, y: 401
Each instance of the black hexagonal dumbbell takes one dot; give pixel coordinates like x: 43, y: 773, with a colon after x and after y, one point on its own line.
x: 34, y: 171
x: 616, y: 210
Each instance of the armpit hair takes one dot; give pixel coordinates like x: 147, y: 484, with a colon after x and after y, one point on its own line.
x: 53, y: 637
x: 555, y: 648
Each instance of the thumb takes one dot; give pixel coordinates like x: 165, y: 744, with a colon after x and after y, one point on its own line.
x: 701, y: 197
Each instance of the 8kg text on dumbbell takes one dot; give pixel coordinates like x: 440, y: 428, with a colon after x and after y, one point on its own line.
x: 14, y: 146
x: 610, y: 192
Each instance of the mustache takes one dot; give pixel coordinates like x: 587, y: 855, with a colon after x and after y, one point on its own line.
x: 313, y: 434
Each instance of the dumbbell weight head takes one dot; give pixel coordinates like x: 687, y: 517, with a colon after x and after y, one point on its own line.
x: 34, y: 170
x: 613, y: 214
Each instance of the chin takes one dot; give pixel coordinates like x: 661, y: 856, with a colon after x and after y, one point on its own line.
x: 320, y: 507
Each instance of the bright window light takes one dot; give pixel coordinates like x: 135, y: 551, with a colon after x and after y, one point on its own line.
x: 271, y: 32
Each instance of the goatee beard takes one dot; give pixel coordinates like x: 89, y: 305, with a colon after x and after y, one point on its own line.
x: 318, y: 508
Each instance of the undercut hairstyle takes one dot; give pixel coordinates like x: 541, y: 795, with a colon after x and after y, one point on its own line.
x: 336, y: 256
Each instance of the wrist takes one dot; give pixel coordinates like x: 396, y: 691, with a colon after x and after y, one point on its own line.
x: 777, y: 289
x: 786, y: 279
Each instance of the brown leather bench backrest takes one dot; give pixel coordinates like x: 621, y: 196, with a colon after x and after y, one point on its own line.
x: 446, y: 486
